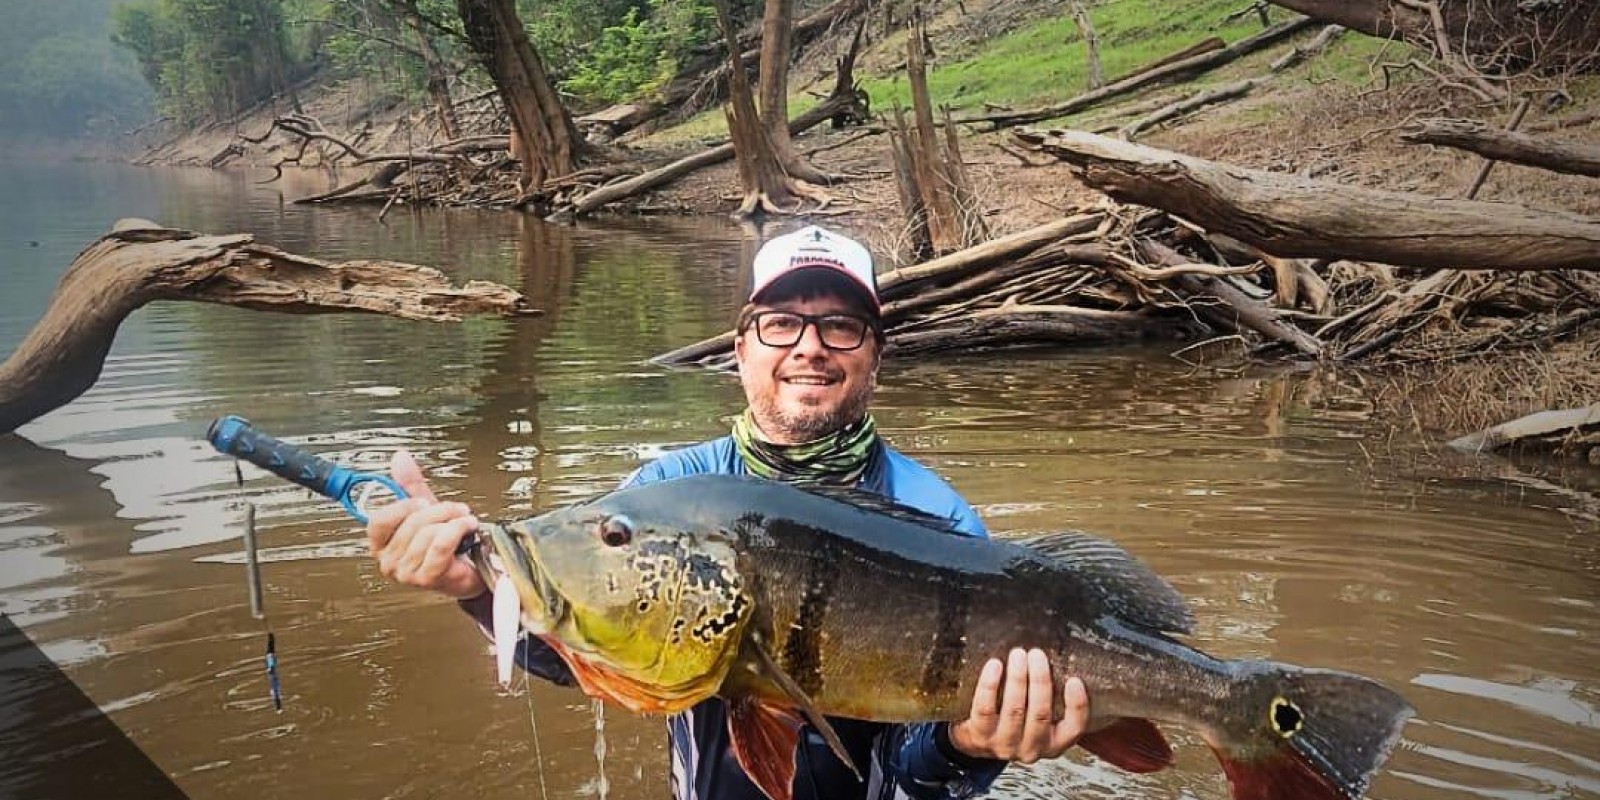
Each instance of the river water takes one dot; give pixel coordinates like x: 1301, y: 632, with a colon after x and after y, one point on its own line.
x: 1298, y: 530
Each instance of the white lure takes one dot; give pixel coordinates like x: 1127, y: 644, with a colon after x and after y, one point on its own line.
x: 507, y: 627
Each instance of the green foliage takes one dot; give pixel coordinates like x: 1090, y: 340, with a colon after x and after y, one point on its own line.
x: 608, y: 51
x: 208, y: 57
x: 630, y: 58
x: 373, y: 39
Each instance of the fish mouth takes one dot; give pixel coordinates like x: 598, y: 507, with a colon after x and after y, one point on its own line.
x: 499, y: 552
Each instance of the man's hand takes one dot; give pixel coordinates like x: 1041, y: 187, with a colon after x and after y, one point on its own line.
x: 1012, y: 715
x: 414, y: 540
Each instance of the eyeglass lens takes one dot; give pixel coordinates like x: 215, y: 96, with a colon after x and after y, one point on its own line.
x: 784, y: 329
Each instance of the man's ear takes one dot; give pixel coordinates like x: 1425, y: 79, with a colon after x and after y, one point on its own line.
x: 738, y: 349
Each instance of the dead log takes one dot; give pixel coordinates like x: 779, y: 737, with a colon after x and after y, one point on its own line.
x: 1187, y: 68
x: 1546, y: 429
x: 1207, y: 45
x: 140, y: 261
x: 1293, y: 217
x: 898, y: 283
x: 1221, y: 94
x: 1025, y: 325
x: 1300, y: 53
x: 1220, y: 303
x: 1574, y: 121
x: 1552, y: 35
x: 1572, y: 158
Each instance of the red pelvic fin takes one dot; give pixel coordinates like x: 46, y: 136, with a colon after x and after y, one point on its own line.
x: 764, y: 739
x: 1131, y: 743
x: 1282, y: 775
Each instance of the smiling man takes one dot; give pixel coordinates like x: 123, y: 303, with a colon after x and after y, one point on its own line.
x: 808, y: 345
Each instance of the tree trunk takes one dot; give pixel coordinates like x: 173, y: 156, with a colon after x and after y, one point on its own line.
x: 930, y: 175
x: 703, y: 80
x: 1091, y: 42
x: 767, y: 187
x: 438, y: 71
x: 1573, y: 158
x: 1563, y: 34
x: 776, y: 31
x: 140, y: 261
x: 550, y: 145
x: 1294, y: 217
x: 846, y: 104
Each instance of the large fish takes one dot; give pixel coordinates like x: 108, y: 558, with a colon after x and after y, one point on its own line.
x: 793, y: 603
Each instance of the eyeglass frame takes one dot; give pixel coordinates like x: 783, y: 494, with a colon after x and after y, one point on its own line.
x: 812, y: 320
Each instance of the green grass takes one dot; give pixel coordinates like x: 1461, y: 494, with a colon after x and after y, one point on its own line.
x: 1047, y: 62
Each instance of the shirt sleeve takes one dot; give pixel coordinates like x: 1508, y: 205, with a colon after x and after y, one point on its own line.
x: 923, y: 763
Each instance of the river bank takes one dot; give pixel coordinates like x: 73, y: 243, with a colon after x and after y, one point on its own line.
x: 1325, y: 119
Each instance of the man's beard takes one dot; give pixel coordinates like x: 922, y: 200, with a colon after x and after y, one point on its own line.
x: 811, y: 423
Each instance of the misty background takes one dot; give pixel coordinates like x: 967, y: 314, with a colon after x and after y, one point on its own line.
x: 67, y: 88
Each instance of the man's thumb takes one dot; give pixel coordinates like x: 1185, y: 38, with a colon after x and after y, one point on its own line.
x: 405, y: 471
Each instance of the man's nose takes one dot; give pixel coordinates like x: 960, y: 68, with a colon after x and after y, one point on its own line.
x: 810, y: 344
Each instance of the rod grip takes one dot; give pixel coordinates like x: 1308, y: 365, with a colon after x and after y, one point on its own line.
x: 236, y: 437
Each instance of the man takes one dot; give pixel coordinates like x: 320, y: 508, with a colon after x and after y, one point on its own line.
x: 808, y: 346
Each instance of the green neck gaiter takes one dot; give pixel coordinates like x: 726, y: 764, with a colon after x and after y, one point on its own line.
x: 838, y: 459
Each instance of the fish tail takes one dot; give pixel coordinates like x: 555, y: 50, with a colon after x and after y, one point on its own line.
x: 1305, y: 734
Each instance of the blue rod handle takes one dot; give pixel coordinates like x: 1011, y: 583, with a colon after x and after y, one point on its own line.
x: 236, y: 437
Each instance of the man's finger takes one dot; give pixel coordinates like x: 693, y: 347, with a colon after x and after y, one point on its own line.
x: 401, y: 556
x: 986, y: 698
x: 1014, y: 701
x: 403, y: 468
x: 1074, y: 717
x: 441, y: 556
x: 384, y: 522
x: 1038, y: 726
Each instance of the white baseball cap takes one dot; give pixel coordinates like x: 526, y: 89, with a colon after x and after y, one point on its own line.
x: 814, y: 248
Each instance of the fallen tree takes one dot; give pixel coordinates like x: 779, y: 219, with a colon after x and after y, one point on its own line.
x: 1551, y: 35
x: 1573, y: 158
x: 140, y: 261
x: 1296, y: 217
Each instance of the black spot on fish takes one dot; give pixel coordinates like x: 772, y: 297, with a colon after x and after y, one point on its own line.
x: 943, y: 668
x: 802, y: 650
x: 714, y: 627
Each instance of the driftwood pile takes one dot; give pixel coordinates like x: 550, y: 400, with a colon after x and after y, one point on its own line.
x: 1285, y: 265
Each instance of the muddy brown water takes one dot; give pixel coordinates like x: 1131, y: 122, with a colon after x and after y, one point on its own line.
x: 1296, y: 531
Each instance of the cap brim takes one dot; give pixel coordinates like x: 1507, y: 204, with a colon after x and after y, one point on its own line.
x: 821, y: 272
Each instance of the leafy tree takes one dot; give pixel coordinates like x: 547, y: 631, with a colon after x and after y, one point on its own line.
x: 209, y: 57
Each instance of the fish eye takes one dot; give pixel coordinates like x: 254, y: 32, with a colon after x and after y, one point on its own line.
x: 616, y: 530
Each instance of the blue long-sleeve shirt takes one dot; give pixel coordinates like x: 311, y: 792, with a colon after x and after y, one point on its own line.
x: 897, y: 760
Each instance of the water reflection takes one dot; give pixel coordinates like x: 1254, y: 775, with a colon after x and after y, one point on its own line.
x: 1263, y: 496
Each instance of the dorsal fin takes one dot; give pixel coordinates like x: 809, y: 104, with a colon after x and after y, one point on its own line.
x: 878, y: 504
x: 1132, y: 592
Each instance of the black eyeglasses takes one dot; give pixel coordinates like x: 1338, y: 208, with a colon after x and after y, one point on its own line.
x: 786, y: 328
